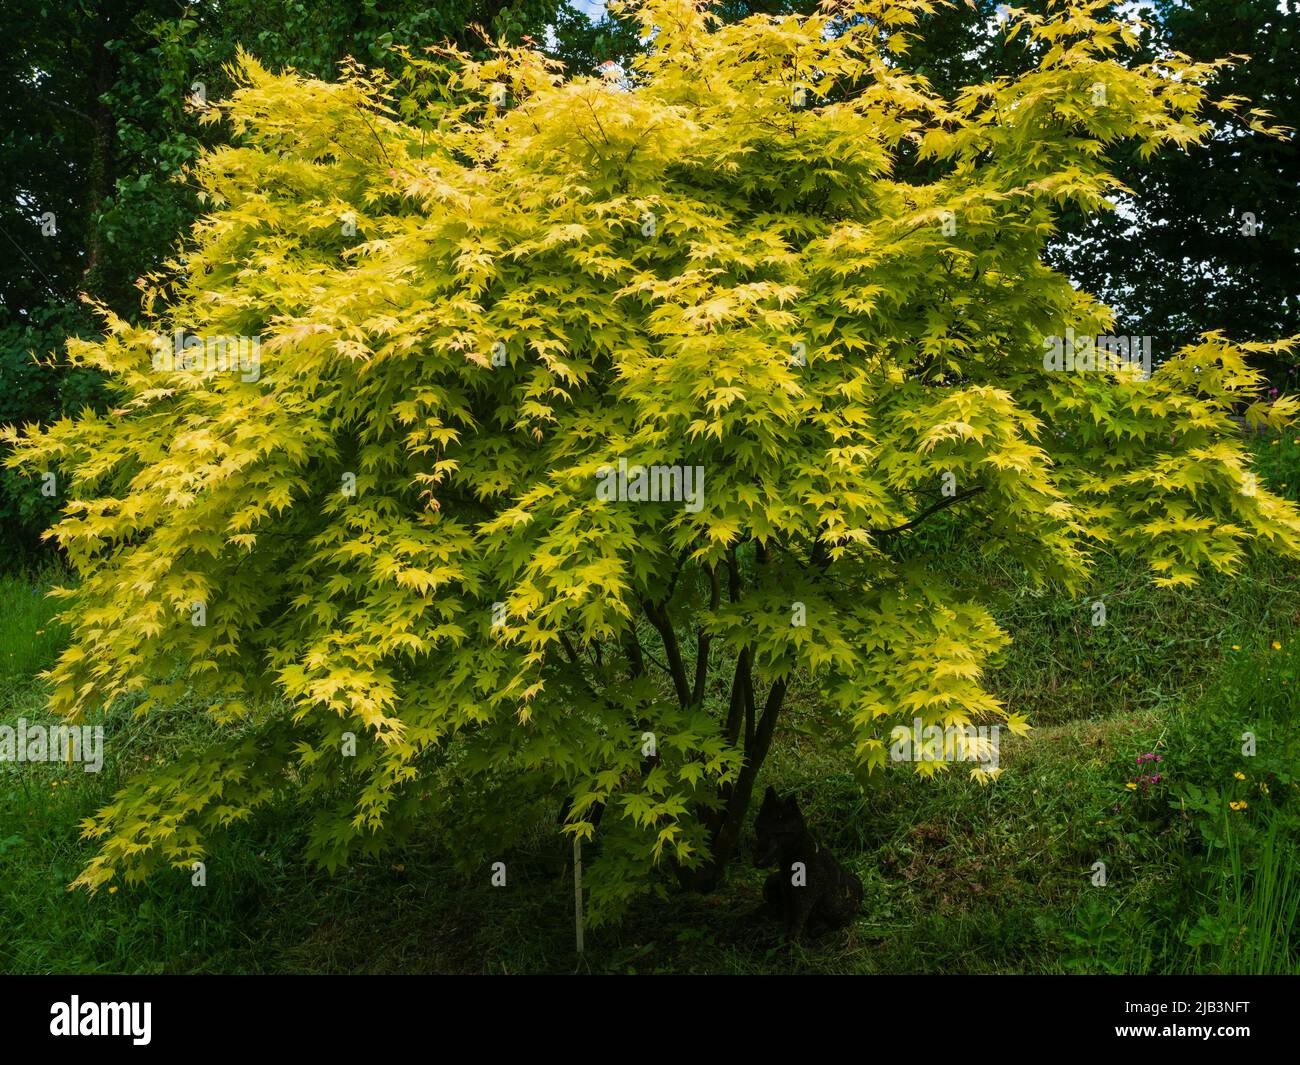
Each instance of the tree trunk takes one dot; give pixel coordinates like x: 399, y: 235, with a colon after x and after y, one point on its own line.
x: 103, y: 73
x: 726, y: 827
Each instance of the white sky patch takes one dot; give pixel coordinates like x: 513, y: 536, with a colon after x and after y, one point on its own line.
x: 1142, y: 9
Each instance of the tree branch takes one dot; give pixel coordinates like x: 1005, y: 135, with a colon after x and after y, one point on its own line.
x: 739, y: 682
x: 767, y: 723
x: 704, y: 640
x: 943, y: 504
x: 576, y: 662
x: 660, y: 619
x: 635, y: 656
x: 735, y: 712
x: 821, y: 555
x: 677, y: 571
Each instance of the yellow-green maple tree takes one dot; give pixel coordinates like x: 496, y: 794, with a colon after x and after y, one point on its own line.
x: 481, y: 283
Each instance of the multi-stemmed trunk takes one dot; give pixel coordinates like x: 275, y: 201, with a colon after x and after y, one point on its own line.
x: 726, y: 823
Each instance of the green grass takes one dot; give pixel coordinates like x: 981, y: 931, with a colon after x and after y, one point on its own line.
x: 1248, y: 927
x: 29, y: 637
x: 958, y: 877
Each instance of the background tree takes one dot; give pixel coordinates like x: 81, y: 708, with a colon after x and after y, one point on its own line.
x: 582, y: 42
x: 1206, y: 239
x: 386, y: 558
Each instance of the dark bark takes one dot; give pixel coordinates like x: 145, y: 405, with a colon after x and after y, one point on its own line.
x: 103, y: 175
x: 726, y: 822
x: 726, y: 834
x: 703, y: 642
x: 635, y: 656
x: 662, y: 621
